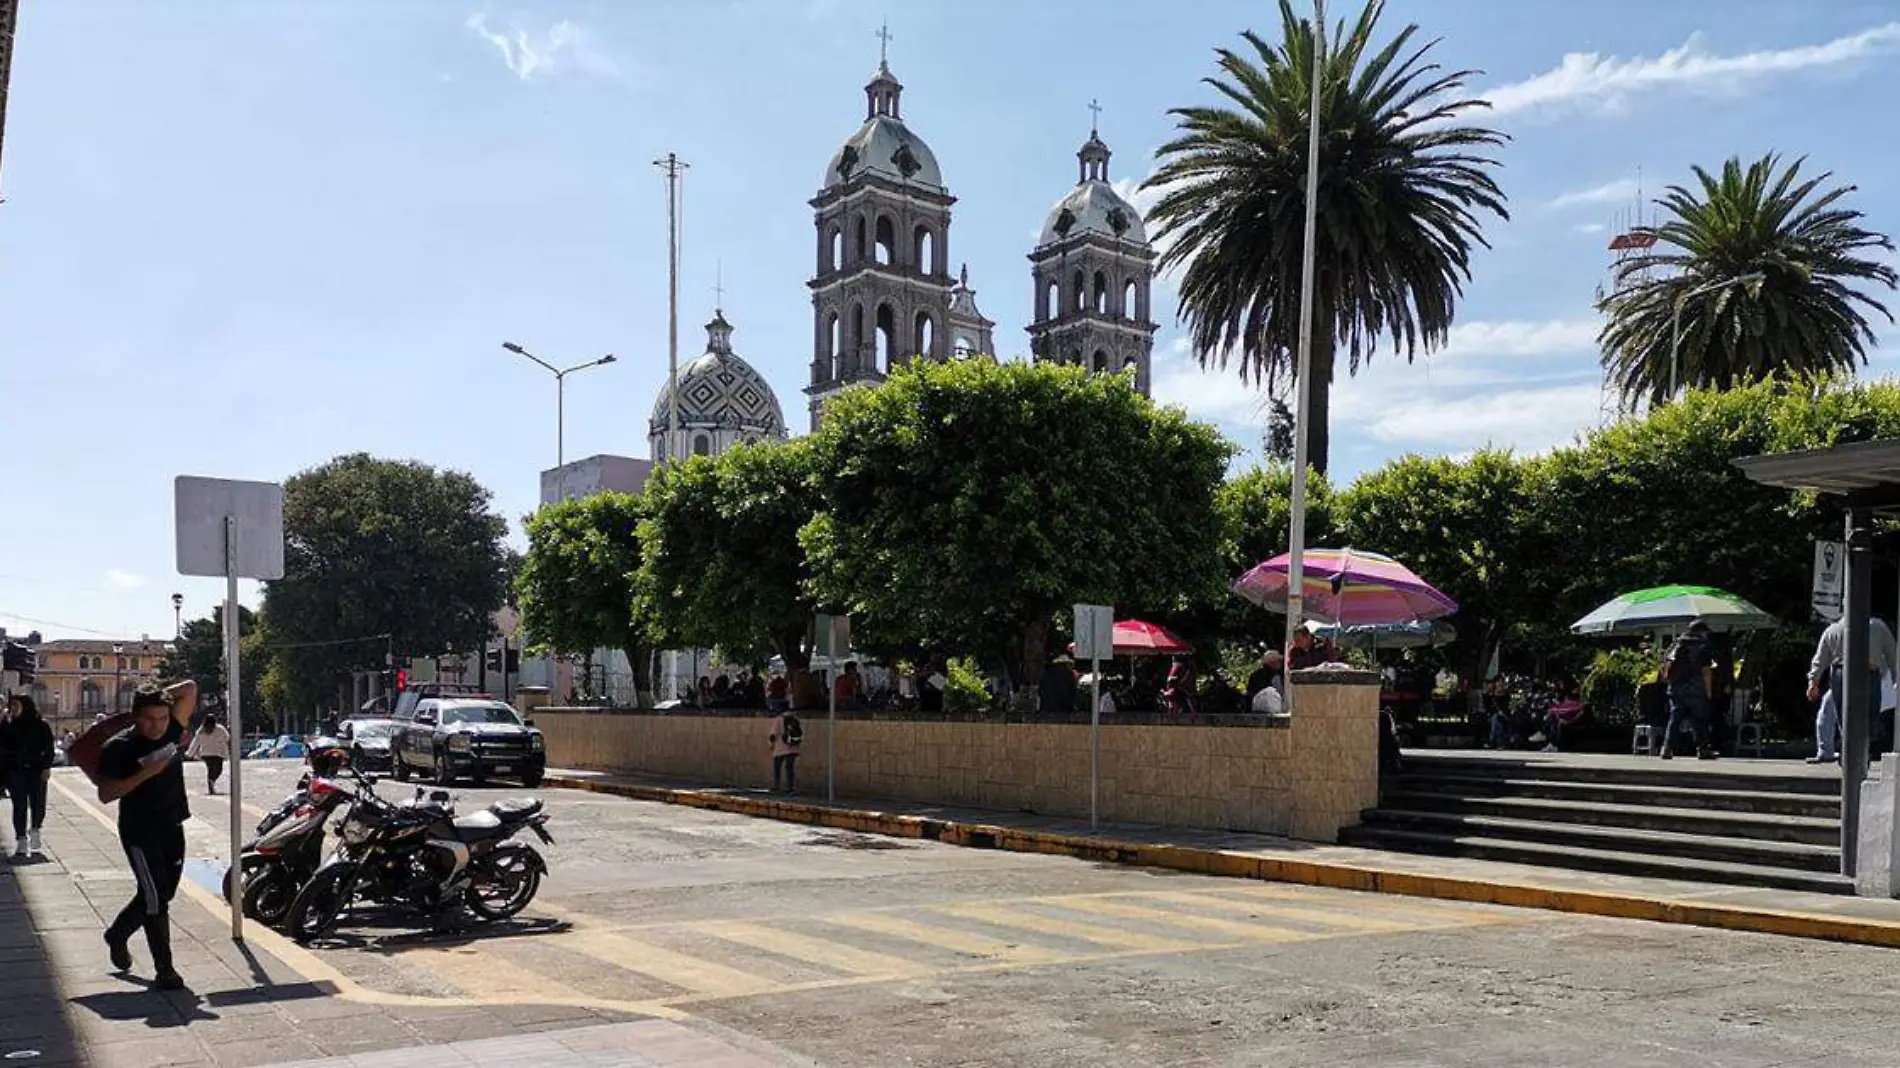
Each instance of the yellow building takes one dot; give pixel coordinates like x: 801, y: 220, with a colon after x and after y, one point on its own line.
x: 79, y: 678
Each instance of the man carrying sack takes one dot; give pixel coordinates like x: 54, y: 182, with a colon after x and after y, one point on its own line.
x: 142, y: 768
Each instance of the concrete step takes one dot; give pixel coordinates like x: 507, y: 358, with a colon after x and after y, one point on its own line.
x: 1766, y: 827
x: 1692, y: 847
x: 1577, y: 858
x: 1692, y: 774
x: 1761, y: 802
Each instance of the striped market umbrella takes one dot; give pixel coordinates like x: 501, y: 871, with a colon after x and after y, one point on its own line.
x: 1347, y: 587
x: 1413, y: 635
x: 1666, y: 608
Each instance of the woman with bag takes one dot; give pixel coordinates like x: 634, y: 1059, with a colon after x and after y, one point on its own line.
x: 29, y: 745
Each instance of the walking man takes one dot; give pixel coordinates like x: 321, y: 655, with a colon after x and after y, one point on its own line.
x: 1826, y: 684
x: 140, y: 767
x: 1690, y: 675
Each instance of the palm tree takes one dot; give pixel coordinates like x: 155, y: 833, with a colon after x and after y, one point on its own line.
x: 1401, y: 189
x: 1758, y: 266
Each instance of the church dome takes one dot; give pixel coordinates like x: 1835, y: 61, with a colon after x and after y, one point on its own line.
x: 1093, y: 207
x: 884, y: 146
x: 719, y: 390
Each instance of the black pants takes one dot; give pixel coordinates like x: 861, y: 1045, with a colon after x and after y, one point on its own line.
x: 158, y: 860
x: 789, y: 764
x: 28, y: 790
x: 214, y: 767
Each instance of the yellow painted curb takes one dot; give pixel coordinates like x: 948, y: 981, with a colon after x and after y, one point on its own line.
x: 1236, y: 865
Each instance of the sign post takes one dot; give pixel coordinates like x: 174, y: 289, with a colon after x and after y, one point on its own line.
x: 1094, y: 639
x: 235, y: 530
x: 1830, y: 580
x: 834, y: 637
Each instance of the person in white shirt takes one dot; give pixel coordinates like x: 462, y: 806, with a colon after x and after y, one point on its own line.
x: 211, y: 744
x: 1825, y: 685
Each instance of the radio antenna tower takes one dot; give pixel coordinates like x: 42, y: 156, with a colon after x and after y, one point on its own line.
x: 1633, y: 235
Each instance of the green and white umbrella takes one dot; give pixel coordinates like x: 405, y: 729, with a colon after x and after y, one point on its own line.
x: 1671, y: 608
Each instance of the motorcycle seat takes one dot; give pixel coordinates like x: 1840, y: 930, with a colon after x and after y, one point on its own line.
x: 478, y: 822
x: 516, y: 809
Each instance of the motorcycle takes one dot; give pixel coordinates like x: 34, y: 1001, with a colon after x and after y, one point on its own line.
x: 419, y: 855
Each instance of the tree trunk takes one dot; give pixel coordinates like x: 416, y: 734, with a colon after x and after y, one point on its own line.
x: 1319, y: 395
x: 640, y: 666
x: 1030, y: 656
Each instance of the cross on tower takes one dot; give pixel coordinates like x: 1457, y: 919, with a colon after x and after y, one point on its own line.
x: 884, y: 44
x: 719, y: 286
x: 1095, y: 118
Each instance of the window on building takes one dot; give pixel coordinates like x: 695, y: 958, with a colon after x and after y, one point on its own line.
x: 702, y: 445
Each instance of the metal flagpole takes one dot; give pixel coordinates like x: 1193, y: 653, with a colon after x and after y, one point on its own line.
x: 672, y: 166
x: 1296, y: 563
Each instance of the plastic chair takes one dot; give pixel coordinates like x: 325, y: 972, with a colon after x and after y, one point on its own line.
x: 1749, y: 736
x: 1643, y: 743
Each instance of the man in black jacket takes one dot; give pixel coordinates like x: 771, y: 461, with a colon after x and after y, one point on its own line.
x: 142, y: 768
x: 26, y: 760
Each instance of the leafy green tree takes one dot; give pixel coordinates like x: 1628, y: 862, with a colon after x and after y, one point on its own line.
x: 198, y: 653
x: 1807, y: 314
x: 378, y: 547
x: 576, y: 584
x: 1402, y: 187
x: 964, y: 505
x: 1465, y: 526
x: 723, y: 567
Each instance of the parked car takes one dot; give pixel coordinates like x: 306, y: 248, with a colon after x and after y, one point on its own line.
x: 369, y: 741
x: 479, y: 737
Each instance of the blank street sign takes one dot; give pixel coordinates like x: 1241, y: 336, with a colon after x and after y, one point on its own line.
x: 203, y: 504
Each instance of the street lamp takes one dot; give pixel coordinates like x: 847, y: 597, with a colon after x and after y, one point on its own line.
x: 178, y: 615
x: 118, y: 673
x: 1753, y: 278
x: 560, y: 393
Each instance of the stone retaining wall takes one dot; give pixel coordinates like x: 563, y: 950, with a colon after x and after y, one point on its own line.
x: 1304, y: 776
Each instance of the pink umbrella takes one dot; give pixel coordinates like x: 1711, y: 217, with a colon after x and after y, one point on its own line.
x: 1348, y: 587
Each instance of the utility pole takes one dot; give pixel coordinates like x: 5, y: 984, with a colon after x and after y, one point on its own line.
x: 1302, y: 413
x: 674, y: 168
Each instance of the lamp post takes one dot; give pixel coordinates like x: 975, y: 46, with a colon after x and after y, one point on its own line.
x: 118, y: 673
x: 560, y: 393
x: 178, y: 615
x: 1753, y: 278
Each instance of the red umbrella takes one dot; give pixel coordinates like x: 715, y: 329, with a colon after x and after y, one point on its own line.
x: 1133, y: 637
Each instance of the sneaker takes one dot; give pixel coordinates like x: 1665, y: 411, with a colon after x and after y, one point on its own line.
x: 1666, y: 754
x: 168, y: 980
x: 120, y: 953
x: 1706, y: 753
x: 33, y: 840
x: 19, y: 849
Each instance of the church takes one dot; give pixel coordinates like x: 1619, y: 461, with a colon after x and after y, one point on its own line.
x: 883, y: 293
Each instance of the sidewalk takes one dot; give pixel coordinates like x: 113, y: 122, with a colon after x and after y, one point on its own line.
x: 1868, y: 921
x: 264, y: 1002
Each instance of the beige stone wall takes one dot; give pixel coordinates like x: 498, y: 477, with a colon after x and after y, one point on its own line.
x: 1306, y: 780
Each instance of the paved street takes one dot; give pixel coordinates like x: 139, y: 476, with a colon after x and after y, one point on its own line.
x: 671, y: 935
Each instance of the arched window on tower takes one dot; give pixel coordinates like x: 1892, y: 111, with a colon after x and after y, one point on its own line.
x: 836, y: 249
x: 884, y: 245
x: 1081, y: 293
x: 924, y: 335
x: 1099, y: 362
x: 848, y: 360
x: 1051, y: 301
x: 702, y: 445
x: 926, y: 250
x: 1128, y: 300
x: 834, y: 346
x: 862, y: 241
x: 886, y: 337
x: 963, y: 347
x: 1101, y: 293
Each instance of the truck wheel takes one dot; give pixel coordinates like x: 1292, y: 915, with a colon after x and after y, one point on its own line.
x: 398, y: 767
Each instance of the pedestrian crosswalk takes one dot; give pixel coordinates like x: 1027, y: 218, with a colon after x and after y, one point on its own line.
x: 661, y: 965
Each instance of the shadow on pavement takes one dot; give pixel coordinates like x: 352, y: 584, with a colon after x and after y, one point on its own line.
x: 159, y: 1009
x: 33, y: 1023
x: 394, y: 930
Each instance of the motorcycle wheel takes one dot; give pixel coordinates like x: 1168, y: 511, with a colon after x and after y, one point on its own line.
x: 320, y: 904
x: 269, y: 894
x: 504, y: 882
x: 253, y: 864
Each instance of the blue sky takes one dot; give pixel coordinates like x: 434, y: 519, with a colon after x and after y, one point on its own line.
x: 242, y: 237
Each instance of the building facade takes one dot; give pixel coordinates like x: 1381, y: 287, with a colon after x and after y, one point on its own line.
x: 77, y: 679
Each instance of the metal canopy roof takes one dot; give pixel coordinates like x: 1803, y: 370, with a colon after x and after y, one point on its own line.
x: 1867, y: 472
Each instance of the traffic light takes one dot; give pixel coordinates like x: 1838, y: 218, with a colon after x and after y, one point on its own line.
x: 494, y: 660
x: 18, y: 659
x: 402, y: 681
x: 514, y: 661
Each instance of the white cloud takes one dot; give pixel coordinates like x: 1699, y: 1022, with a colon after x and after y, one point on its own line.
x: 1515, y: 337
x: 123, y: 581
x: 1606, y: 82
x: 1527, y: 420
x: 1589, y: 228
x: 1620, y: 191
x: 564, y: 46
